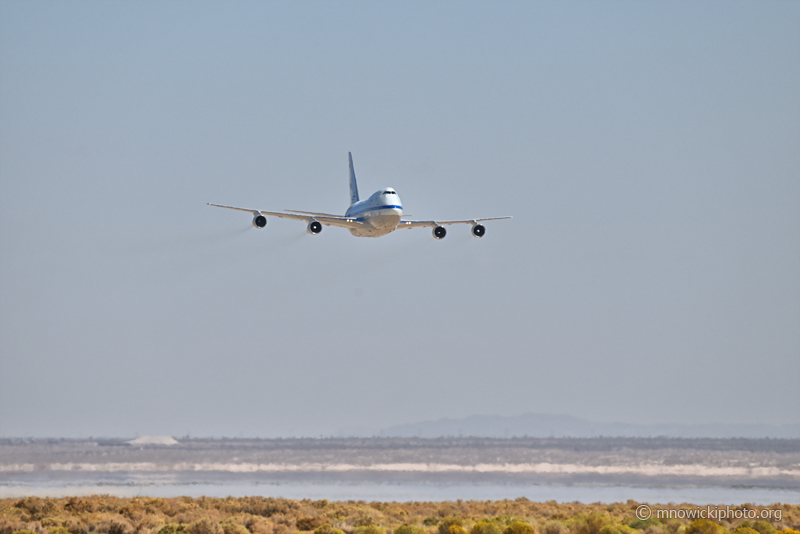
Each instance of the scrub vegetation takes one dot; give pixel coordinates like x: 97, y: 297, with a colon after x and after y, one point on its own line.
x: 261, y: 515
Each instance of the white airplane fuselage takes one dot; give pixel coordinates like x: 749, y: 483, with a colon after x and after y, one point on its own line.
x: 380, y: 213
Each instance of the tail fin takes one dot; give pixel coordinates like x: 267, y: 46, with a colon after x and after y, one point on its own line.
x: 353, y: 185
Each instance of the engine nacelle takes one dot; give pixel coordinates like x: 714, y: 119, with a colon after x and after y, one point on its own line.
x: 439, y: 232
x: 314, y: 227
x: 259, y: 221
x: 478, y: 230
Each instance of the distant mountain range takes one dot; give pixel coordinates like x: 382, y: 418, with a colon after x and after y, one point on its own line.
x: 546, y: 425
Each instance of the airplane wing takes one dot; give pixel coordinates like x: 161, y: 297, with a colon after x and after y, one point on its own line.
x: 324, y: 218
x: 341, y: 222
x: 314, y: 213
x: 434, y: 224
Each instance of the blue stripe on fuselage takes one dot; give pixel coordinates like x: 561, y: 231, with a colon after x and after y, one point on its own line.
x: 374, y: 208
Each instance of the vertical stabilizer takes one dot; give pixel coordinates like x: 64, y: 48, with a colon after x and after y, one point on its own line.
x: 353, y: 185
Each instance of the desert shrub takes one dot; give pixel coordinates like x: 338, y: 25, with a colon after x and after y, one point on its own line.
x: 368, y: 529
x: 364, y: 520
x: 259, y: 525
x: 24, y: 531
x: 112, y: 515
x: 327, y: 528
x: 518, y: 527
x: 265, y: 506
x: 79, y: 506
x: 668, y: 526
x: 203, y: 526
x: 592, y: 524
x: 447, y: 522
x: 553, y: 527
x: 115, y: 526
x: 148, y: 525
x: 58, y: 530
x: 132, y: 511
x: 77, y: 527
x: 309, y: 523
x: 763, y: 527
x: 485, y: 526
x: 704, y: 526
x: 36, y: 506
x: 284, y: 519
x: 642, y: 524
x: 229, y: 527
x: 172, y: 528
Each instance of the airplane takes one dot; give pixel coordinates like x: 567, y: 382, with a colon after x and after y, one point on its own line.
x: 380, y: 214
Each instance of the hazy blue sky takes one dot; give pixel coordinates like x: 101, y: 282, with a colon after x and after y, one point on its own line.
x: 648, y: 151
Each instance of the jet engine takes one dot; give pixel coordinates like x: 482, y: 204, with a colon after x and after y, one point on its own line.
x: 259, y: 221
x: 478, y: 230
x: 439, y: 232
x: 314, y: 227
